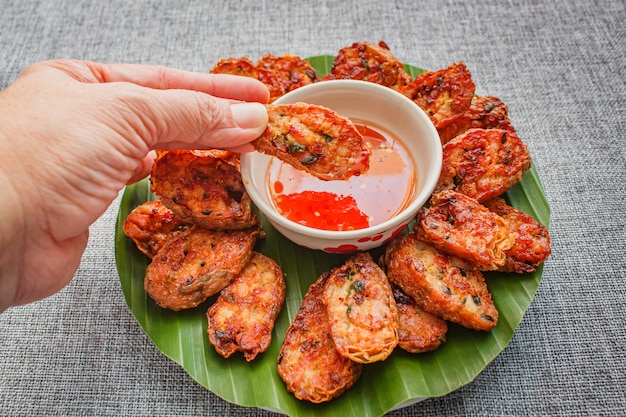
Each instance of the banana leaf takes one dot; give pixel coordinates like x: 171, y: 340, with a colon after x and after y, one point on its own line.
x: 400, y: 380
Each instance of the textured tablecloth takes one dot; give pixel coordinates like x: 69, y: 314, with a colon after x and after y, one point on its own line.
x: 560, y: 67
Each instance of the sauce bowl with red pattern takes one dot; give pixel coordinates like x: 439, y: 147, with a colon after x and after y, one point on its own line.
x: 368, y: 210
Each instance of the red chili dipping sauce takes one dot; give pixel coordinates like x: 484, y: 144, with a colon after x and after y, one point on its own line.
x: 367, y: 200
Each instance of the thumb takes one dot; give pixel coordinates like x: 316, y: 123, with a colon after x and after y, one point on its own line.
x: 184, y: 119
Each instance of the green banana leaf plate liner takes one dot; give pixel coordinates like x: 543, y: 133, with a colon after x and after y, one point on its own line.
x: 384, y: 386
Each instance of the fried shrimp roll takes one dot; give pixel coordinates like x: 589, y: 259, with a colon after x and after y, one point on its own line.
x: 291, y: 70
x: 440, y: 284
x: 483, y: 163
x: 308, y: 361
x: 245, y: 67
x: 485, y: 112
x: 362, y: 311
x: 197, y: 263
x: 316, y: 140
x: 418, y: 331
x: 461, y: 226
x: 369, y: 62
x: 202, y: 189
x: 150, y: 225
x: 444, y: 95
x: 243, y: 317
x: 531, y: 245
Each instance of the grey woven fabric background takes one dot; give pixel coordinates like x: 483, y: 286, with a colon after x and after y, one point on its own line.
x: 560, y: 67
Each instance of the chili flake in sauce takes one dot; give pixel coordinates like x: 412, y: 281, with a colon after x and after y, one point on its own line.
x: 322, y: 210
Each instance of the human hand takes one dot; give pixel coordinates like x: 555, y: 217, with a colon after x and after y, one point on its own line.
x: 74, y: 133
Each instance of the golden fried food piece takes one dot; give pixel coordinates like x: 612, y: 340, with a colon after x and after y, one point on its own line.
x: 197, y: 263
x: 150, y: 225
x: 484, y: 112
x: 291, y: 70
x: 483, y: 163
x: 245, y: 67
x: 461, y: 226
x: 443, y: 285
x: 308, y: 361
x: 202, y: 189
x: 227, y: 156
x: 362, y: 311
x: 316, y: 140
x: 418, y: 331
x: 444, y: 95
x: 243, y: 317
x: 369, y: 62
x: 531, y: 246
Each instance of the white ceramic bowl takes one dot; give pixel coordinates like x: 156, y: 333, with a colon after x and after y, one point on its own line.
x: 384, y: 108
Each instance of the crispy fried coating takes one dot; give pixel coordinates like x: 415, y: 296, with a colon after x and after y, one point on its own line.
x: 202, y: 189
x: 291, y: 70
x: 418, y: 331
x: 316, y: 140
x: 531, y: 246
x: 245, y: 67
x: 369, y: 62
x: 227, y: 156
x: 150, y: 225
x: 483, y: 163
x: 461, y: 226
x: 444, y: 94
x: 362, y: 311
x: 443, y: 285
x: 197, y: 263
x: 484, y: 112
x: 308, y: 361
x: 243, y: 317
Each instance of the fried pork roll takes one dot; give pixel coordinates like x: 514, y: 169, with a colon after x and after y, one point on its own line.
x: 308, y: 361
x: 443, y: 285
x: 369, y: 62
x: 196, y: 264
x: 150, y: 225
x: 245, y: 67
x: 483, y: 163
x: 291, y: 70
x: 444, y: 94
x: 418, y: 330
x: 362, y: 311
x: 202, y: 189
x: 461, y: 226
x: 243, y: 317
x: 316, y: 140
x: 531, y: 245
x: 484, y: 112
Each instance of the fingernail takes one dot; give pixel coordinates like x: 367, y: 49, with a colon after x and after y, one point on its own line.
x: 249, y: 115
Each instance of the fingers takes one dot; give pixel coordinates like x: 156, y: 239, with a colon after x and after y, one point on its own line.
x: 164, y: 78
x: 169, y: 108
x: 243, y: 148
x: 169, y: 119
x: 143, y: 168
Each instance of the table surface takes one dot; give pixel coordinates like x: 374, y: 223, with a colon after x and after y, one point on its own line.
x: 559, y: 66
